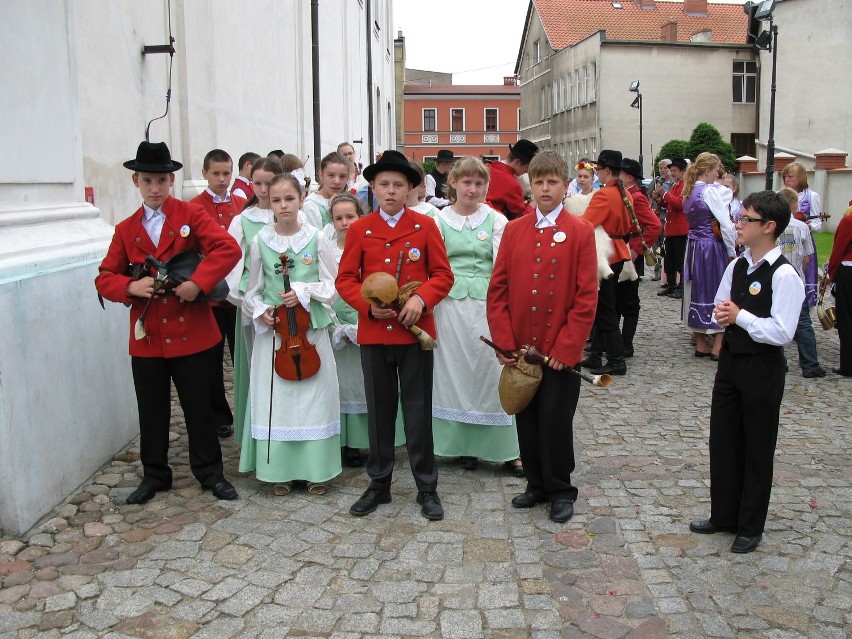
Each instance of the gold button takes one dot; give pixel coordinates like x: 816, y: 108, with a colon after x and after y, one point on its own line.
x: 551, y: 293
x: 552, y: 277
x: 535, y: 339
x: 185, y: 339
x: 168, y: 341
x: 535, y: 292
x: 553, y: 261
x: 416, y: 227
x: 220, y: 215
x: 165, y: 321
x: 534, y: 309
x: 552, y: 244
x: 387, y: 260
x: 165, y: 301
x: 171, y: 233
x: 387, y: 245
x: 407, y: 245
x: 535, y: 276
x: 540, y: 231
x: 407, y: 278
x: 138, y: 239
x: 180, y: 319
x: 549, y: 325
x: 537, y: 260
x: 368, y: 232
x: 538, y: 244
x: 389, y: 327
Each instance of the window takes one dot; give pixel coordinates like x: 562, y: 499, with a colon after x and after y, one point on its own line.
x: 429, y: 120
x: 594, y: 153
x: 456, y: 119
x: 745, y: 82
x: 542, y: 107
x: 519, y: 119
x: 537, y: 51
x: 581, y: 85
x: 554, y: 88
x: 591, y: 91
x: 577, y: 100
x: 744, y: 144
x: 491, y: 123
x: 570, y: 100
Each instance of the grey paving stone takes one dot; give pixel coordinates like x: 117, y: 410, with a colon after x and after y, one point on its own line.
x: 461, y: 624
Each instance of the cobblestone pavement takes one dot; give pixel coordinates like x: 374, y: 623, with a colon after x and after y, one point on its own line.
x: 626, y: 566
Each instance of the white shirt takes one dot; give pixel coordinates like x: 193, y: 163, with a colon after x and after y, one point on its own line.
x: 543, y: 221
x: 718, y: 199
x: 431, y: 197
x: 816, y: 208
x: 796, y: 243
x: 788, y: 294
x: 392, y: 219
x: 217, y: 199
x: 153, y: 222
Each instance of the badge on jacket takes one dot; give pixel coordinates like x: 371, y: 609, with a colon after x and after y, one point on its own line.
x: 184, y: 230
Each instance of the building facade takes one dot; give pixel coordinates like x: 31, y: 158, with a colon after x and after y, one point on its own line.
x: 578, y: 58
x: 240, y: 79
x: 466, y: 119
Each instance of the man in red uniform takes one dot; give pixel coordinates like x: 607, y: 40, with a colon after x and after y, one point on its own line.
x: 504, y: 191
x: 242, y: 186
x: 181, y: 333
x: 607, y: 210
x: 627, y: 291
x: 542, y: 293
x: 404, y: 243
x: 677, y: 229
x: 217, y: 201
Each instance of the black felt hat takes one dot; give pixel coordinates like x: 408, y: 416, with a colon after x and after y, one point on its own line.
x: 523, y: 150
x: 445, y: 156
x: 392, y: 161
x: 610, y: 159
x: 153, y: 157
x: 632, y: 167
x: 680, y: 163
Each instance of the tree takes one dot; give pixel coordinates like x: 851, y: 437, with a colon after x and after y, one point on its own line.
x: 706, y: 138
x: 670, y: 150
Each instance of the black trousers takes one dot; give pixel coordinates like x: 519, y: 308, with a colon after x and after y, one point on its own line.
x: 744, y: 416
x: 152, y: 377
x: 607, y: 333
x: 226, y: 319
x: 391, y: 371
x: 627, y: 306
x: 675, y: 254
x: 546, y: 435
x: 843, y: 306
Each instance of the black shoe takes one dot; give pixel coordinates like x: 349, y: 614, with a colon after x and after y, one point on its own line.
x: 676, y: 294
x: 614, y: 366
x: 224, y: 490
x: 369, y: 501
x: 592, y: 361
x: 628, y: 351
x: 352, y: 457
x: 144, y: 493
x: 743, y: 545
x: 517, y: 470
x: 714, y: 357
x: 469, y: 463
x: 225, y: 430
x: 839, y: 371
x: 561, y: 510
x: 665, y: 289
x: 700, y: 354
x: 430, y: 505
x: 817, y: 372
x: 528, y: 499
x: 705, y: 527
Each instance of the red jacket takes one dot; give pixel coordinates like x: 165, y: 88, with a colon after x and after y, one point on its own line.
x: 648, y: 220
x: 504, y: 191
x: 243, y: 184
x: 542, y: 292
x: 607, y: 209
x: 676, y: 223
x: 371, y: 246
x: 842, y: 250
x: 174, y: 328
x: 223, y: 212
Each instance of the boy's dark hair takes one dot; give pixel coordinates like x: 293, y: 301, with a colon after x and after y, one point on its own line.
x: 249, y: 157
x: 771, y: 207
x: 216, y: 155
x: 275, y: 153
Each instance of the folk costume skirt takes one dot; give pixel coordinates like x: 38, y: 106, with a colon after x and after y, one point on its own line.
x: 703, y: 268
x: 467, y: 419
x: 305, y: 441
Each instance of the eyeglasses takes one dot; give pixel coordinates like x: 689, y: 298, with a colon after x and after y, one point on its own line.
x: 745, y: 219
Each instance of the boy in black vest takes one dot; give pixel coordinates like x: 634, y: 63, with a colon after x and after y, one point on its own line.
x: 758, y: 304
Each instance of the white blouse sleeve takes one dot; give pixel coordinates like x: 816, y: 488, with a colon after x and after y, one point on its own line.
x: 719, y: 200
x: 232, y: 279
x: 500, y: 223
x: 312, y: 214
x: 324, y: 290
x: 816, y: 208
x: 253, y: 304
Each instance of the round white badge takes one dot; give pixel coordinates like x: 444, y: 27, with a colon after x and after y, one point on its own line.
x: 482, y: 236
x: 754, y: 288
x: 184, y: 230
x: 559, y: 236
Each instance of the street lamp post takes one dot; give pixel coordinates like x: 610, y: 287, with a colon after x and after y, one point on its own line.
x: 637, y: 104
x: 766, y: 41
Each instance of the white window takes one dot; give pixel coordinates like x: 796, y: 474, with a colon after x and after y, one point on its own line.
x: 554, y: 88
x: 591, y: 91
x: 429, y: 120
x: 543, y: 106
x: 569, y: 103
x: 577, y: 99
x: 456, y: 119
x: 745, y: 81
x: 594, y: 148
x: 581, y: 84
x: 537, y: 51
x: 492, y: 122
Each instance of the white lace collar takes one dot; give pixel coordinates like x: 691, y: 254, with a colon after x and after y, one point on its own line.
x: 281, y: 243
x: 456, y: 221
x: 257, y: 214
x: 319, y: 199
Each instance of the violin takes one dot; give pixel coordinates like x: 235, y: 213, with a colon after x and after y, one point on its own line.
x: 296, y: 359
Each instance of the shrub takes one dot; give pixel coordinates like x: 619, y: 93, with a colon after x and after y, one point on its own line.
x: 706, y: 137
x: 428, y: 167
x: 671, y: 150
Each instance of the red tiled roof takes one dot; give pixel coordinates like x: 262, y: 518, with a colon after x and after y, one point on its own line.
x: 454, y: 89
x: 566, y: 22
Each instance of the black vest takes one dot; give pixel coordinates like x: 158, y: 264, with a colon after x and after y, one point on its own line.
x: 440, y: 184
x: 753, y: 293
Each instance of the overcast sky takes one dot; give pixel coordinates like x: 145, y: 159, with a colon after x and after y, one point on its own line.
x: 475, y: 40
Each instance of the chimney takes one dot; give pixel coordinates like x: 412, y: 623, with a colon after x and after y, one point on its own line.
x: 510, y: 80
x: 669, y: 31
x: 645, y: 4
x: 695, y: 7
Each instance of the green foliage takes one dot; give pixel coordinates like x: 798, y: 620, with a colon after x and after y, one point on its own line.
x: 706, y: 138
x: 428, y: 167
x: 670, y: 150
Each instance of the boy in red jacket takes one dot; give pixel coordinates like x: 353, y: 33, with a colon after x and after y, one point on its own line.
x: 543, y: 293
x: 392, y: 359
x: 181, y: 333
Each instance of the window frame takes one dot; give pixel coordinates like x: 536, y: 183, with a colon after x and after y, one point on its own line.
x: 452, y: 123
x: 485, y: 111
x: 741, y: 79
x: 434, y: 120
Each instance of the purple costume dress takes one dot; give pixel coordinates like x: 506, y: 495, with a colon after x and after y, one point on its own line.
x: 706, y: 259
x: 811, y: 274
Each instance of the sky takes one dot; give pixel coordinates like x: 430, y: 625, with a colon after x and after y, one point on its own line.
x: 475, y: 40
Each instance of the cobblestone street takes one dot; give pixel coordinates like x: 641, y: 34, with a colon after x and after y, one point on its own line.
x: 187, y: 565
